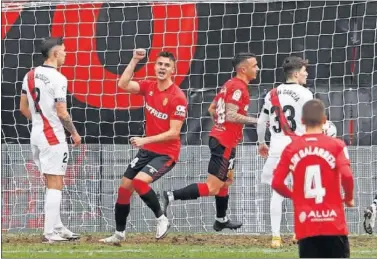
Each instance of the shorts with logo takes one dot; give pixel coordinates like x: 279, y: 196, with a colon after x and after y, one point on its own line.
x: 153, y: 164
x: 51, y: 160
x: 324, y: 247
x: 222, y: 159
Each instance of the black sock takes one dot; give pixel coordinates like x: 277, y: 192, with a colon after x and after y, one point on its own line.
x: 151, y: 200
x: 221, y: 206
x: 121, y: 213
x: 190, y: 192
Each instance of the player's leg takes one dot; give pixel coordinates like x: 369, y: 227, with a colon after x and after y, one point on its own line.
x: 123, y: 202
x: 222, y: 220
x: 308, y: 247
x: 370, y: 215
x: 53, y: 164
x: 154, y: 170
x: 215, y: 186
x: 214, y: 183
x: 276, y: 202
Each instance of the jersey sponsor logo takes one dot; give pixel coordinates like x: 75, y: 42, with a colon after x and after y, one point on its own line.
x: 317, y: 216
x: 156, y: 113
x: 309, y: 151
x: 180, y: 111
x: 237, y: 95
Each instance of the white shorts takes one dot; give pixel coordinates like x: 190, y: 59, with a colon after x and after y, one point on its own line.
x: 51, y: 159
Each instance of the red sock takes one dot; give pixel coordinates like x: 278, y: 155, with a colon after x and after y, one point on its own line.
x: 140, y: 186
x: 223, y: 192
x: 203, y: 189
x: 124, y: 196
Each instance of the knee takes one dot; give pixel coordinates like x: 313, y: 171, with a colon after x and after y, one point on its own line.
x: 140, y: 186
x: 54, y: 182
x: 213, y: 189
x: 126, y: 184
x: 124, y: 195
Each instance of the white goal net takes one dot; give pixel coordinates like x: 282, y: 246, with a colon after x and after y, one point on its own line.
x: 338, y: 38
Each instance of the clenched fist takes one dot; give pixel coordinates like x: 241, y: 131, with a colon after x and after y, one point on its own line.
x: 139, y: 54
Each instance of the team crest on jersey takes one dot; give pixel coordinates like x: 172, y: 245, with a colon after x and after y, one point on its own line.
x: 237, y: 95
x: 165, y: 102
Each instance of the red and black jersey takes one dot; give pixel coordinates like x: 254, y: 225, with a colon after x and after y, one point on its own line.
x: 234, y: 91
x: 160, y: 108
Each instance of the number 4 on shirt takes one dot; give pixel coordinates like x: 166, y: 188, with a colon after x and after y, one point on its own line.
x: 313, y: 184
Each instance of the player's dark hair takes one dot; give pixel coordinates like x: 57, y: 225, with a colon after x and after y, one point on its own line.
x: 167, y: 54
x: 293, y: 64
x: 48, y: 43
x: 313, y: 113
x: 240, y: 57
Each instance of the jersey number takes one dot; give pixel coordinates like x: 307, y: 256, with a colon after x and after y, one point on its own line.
x: 290, y: 118
x: 313, y: 184
x: 65, y: 158
x: 37, y: 98
x: 220, y: 111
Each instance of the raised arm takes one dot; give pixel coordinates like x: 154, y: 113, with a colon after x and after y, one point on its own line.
x: 125, y: 82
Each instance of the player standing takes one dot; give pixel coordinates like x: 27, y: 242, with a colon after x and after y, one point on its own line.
x: 282, y: 103
x: 230, y: 115
x: 318, y: 164
x: 370, y: 214
x: 45, y: 88
x: 165, y: 111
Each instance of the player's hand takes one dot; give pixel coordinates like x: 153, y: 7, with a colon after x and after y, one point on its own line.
x: 76, y: 139
x: 263, y: 150
x: 350, y: 203
x: 138, y: 141
x: 139, y: 54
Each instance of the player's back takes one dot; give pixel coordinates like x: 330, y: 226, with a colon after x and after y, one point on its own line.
x: 317, y: 200
x: 48, y: 87
x: 292, y: 97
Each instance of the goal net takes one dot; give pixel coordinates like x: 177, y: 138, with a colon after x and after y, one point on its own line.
x: 338, y: 38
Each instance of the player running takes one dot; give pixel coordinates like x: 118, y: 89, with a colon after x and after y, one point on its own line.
x: 317, y: 162
x: 43, y: 100
x: 229, y: 111
x: 165, y: 111
x: 287, y: 100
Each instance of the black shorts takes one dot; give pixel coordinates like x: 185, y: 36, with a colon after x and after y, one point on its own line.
x: 222, y: 159
x: 153, y: 164
x: 324, y: 247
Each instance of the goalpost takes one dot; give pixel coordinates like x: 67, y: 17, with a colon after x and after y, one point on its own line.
x: 338, y: 38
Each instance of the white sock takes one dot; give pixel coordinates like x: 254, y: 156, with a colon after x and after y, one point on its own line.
x: 222, y: 220
x: 170, y: 196
x: 121, y: 233
x: 58, y: 223
x: 276, y: 212
x: 52, y: 208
